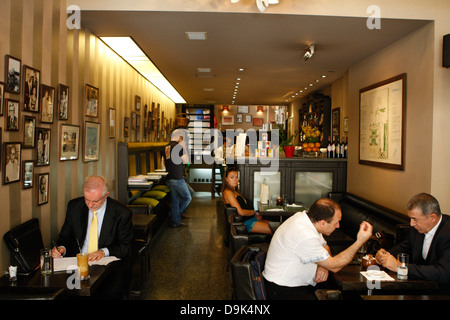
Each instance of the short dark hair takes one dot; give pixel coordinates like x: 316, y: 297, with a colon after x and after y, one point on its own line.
x: 426, y: 203
x: 322, y: 209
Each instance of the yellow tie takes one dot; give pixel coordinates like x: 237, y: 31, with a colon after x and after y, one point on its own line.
x: 93, y: 234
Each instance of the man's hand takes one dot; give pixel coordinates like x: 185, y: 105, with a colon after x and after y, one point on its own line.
x: 365, y: 232
x: 97, y: 255
x: 57, y: 252
x: 387, y: 260
x: 321, y: 274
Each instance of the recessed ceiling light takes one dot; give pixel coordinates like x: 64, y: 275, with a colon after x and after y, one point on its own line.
x: 196, y: 35
x: 241, y: 69
x: 204, y: 69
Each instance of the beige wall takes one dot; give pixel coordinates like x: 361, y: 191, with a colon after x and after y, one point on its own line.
x: 35, y: 31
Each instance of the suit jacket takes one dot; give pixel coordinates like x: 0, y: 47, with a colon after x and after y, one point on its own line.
x: 116, y: 233
x: 437, y: 265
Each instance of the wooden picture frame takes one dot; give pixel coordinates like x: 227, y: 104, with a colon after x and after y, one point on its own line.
x: 12, y: 74
x: 11, y: 161
x: 91, y: 141
x: 43, y: 144
x: 46, y: 104
x: 126, y: 126
x: 2, y: 97
x: 12, y: 114
x: 42, y: 185
x: 112, y: 122
x: 63, y: 102
x: 258, y: 122
x: 239, y: 118
x: 91, y: 101
x: 69, y: 143
x: 27, y: 174
x: 227, y: 120
x: 248, y: 118
x: 137, y: 103
x: 382, y: 119
x: 31, y: 89
x: 29, y: 131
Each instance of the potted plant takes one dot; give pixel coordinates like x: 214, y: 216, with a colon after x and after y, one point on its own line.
x: 286, y: 141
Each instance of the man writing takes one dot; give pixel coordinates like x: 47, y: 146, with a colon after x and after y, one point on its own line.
x: 99, y: 226
x: 428, y: 244
x: 298, y: 256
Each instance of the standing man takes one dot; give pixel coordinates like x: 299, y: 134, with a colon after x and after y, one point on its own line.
x: 99, y: 226
x: 175, y: 155
x: 298, y: 256
x: 428, y: 244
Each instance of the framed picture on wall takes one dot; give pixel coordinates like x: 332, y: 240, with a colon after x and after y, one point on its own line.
x: 31, y: 86
x: 382, y: 123
x: 12, y: 115
x: 42, y: 188
x: 137, y: 101
x: 91, y: 103
x: 248, y: 118
x: 29, y: 130
x: 126, y: 125
x: 239, y: 118
x: 27, y: 173
x: 12, y: 74
x: 11, y: 161
x: 69, y: 142
x: 91, y: 141
x: 42, y: 147
x: 2, y: 97
x: 46, y: 103
x: 227, y: 120
x: 63, y: 102
x: 112, y: 122
x: 258, y: 122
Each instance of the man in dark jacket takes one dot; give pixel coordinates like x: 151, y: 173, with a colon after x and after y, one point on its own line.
x: 428, y: 244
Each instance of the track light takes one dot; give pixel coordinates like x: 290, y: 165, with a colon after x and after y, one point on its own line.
x: 309, y: 52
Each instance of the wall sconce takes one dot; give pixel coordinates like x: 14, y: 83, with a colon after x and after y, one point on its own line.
x: 225, y: 109
x: 260, y: 109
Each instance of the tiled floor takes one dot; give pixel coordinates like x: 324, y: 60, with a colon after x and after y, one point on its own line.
x: 190, y: 263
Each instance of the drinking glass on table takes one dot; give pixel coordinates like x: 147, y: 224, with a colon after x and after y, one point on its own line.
x: 83, y: 266
x: 402, y: 269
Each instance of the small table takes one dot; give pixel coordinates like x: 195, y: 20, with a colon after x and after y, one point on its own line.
x: 37, y: 284
x: 266, y: 210
x: 349, y: 278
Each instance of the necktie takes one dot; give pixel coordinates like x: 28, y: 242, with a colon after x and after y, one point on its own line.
x: 93, y: 234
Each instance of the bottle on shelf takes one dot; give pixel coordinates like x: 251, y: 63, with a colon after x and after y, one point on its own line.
x: 333, y: 149
x: 342, y: 148
x: 345, y: 147
x: 329, y: 148
x: 337, y: 153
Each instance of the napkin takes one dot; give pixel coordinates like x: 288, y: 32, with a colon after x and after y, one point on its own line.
x: 381, y: 276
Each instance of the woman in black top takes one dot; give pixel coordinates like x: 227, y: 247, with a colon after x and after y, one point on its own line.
x: 233, y: 198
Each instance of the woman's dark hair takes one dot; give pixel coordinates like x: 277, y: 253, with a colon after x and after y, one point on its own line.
x: 322, y: 209
x: 225, y: 184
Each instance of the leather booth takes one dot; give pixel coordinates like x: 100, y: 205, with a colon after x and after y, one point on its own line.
x: 240, y: 237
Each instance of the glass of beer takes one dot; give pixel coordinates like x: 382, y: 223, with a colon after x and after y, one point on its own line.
x: 83, y: 266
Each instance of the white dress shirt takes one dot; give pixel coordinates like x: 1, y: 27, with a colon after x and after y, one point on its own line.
x: 100, y: 216
x: 428, y: 239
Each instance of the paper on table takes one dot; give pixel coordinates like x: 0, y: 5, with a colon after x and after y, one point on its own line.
x: 382, y: 277
x: 274, y: 209
x: 70, y: 263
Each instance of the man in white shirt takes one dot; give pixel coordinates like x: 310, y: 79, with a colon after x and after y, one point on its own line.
x: 298, y: 257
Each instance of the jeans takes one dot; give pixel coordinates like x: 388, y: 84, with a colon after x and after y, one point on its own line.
x: 180, y: 198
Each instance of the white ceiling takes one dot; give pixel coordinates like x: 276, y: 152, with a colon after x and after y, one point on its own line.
x: 269, y: 46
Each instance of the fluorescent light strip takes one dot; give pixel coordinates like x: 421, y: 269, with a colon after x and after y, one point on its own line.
x: 126, y: 48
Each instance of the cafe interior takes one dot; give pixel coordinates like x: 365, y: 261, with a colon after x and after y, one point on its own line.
x: 314, y: 75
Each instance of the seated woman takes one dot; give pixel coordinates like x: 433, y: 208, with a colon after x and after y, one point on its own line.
x: 233, y: 198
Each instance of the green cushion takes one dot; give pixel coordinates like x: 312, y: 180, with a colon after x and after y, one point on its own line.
x: 161, y: 187
x: 155, y: 194
x: 143, y: 200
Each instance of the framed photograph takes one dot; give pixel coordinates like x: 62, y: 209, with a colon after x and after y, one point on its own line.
x: 112, y: 122
x: 11, y: 161
x: 91, y: 101
x: 12, y: 76
x: 227, y: 120
x: 248, y: 118
x: 63, y: 102
x: 12, y: 115
x: 42, y: 147
x: 2, y: 97
x: 46, y: 104
x: 31, y: 86
x: 91, y: 141
x: 137, y: 101
x: 69, y: 142
x: 382, y: 108
x: 133, y: 120
x: 258, y: 122
x: 335, y: 123
x: 27, y: 173
x: 42, y: 188
x: 138, y: 121
x: 29, y: 130
x: 239, y: 118
x: 126, y: 125
x: 242, y: 109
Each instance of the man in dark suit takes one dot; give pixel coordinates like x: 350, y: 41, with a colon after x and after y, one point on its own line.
x: 428, y: 244
x: 112, y: 231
